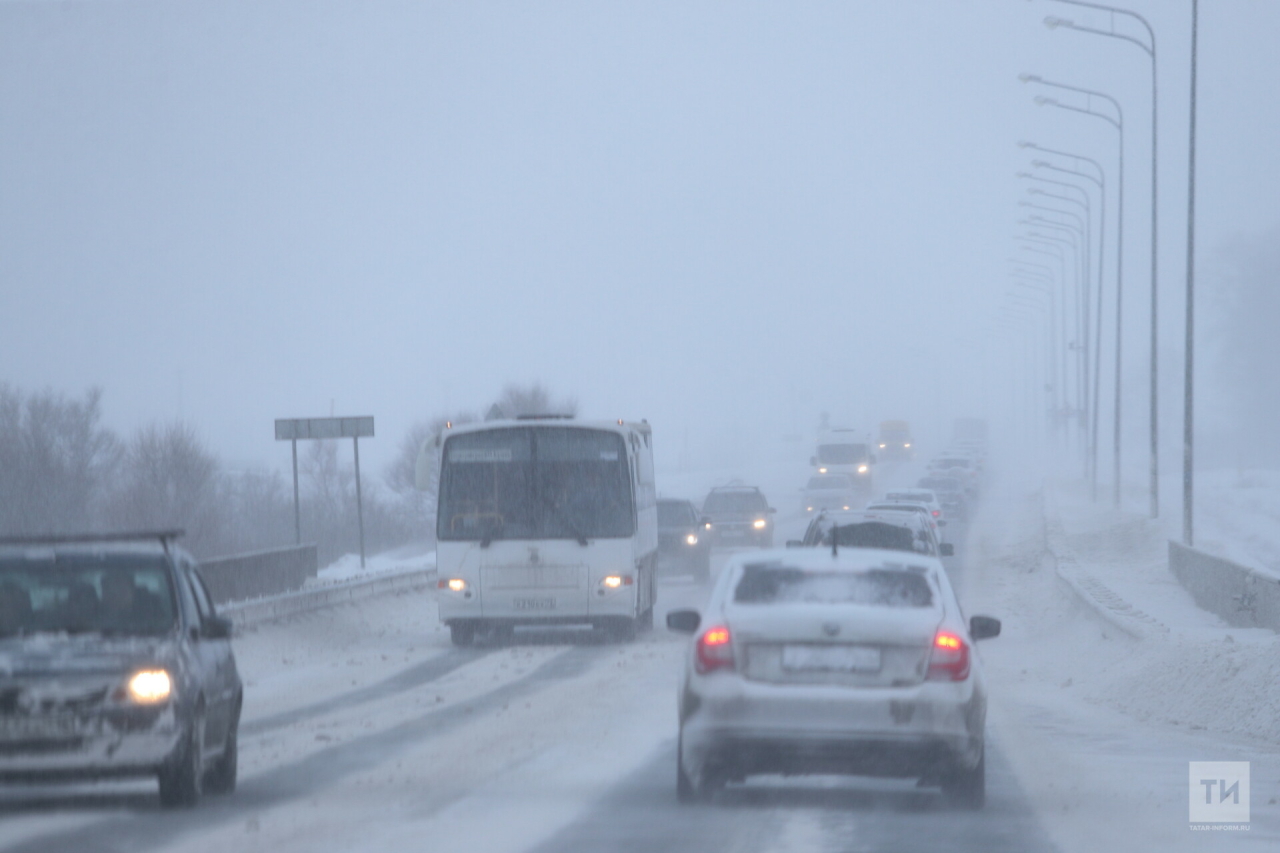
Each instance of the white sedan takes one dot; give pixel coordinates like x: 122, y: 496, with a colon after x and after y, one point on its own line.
x: 807, y: 661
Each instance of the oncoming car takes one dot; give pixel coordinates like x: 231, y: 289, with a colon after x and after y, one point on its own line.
x: 683, y: 541
x: 739, y: 515
x: 114, y: 664
x: 816, y: 661
x: 831, y: 491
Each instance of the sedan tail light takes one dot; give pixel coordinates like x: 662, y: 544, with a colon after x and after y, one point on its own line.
x: 715, y: 650
x: 949, y: 658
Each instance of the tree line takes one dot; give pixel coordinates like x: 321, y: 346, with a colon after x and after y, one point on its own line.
x: 63, y: 471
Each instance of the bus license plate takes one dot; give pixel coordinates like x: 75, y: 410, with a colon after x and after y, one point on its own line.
x: 535, y: 604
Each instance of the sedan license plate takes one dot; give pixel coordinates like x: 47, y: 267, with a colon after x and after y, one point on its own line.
x: 840, y: 658
x: 535, y: 604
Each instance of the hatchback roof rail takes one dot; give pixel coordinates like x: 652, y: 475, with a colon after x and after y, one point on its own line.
x: 163, y: 536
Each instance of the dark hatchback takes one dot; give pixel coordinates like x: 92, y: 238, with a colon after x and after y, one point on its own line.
x: 114, y: 663
x: 684, y: 542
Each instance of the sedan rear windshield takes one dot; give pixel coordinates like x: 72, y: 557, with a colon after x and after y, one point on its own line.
x: 881, y: 587
x: 111, y: 594
x: 898, y: 508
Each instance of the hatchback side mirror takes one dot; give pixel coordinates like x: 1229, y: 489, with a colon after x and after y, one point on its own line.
x: 216, y: 628
x: 946, y: 549
x: 683, y: 621
x: 981, y: 627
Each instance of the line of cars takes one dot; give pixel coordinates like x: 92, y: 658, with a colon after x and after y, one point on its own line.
x: 846, y: 653
x: 733, y: 515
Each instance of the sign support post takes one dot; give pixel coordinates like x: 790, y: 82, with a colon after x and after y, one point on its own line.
x: 292, y: 429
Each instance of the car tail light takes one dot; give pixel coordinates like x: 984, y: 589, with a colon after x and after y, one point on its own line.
x: 715, y: 649
x: 936, y: 513
x: 949, y: 658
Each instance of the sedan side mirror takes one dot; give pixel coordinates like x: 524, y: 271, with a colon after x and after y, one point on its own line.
x: 980, y: 627
x: 683, y: 621
x: 946, y: 549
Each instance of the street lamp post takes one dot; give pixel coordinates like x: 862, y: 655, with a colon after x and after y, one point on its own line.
x: 1067, y: 241
x: 1117, y: 414
x: 1101, y: 182
x: 1150, y: 50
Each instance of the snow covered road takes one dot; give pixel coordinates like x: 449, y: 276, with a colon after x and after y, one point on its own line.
x: 365, y: 729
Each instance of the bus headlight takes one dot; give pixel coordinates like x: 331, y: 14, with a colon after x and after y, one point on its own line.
x: 452, y: 584
x: 615, y: 581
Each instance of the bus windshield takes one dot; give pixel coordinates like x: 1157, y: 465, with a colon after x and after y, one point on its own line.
x: 535, y: 483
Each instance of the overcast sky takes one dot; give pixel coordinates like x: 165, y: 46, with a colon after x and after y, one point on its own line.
x: 723, y: 217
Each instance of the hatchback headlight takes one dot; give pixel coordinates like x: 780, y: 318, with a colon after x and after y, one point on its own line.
x: 150, y: 686
x: 759, y: 524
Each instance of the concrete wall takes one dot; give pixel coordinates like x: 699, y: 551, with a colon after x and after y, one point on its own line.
x: 1243, y: 597
x: 244, y: 576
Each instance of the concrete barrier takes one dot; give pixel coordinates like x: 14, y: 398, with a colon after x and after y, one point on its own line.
x: 260, y: 573
x: 1244, y: 597
x: 244, y: 614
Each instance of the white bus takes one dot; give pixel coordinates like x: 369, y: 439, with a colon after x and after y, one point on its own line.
x: 544, y: 522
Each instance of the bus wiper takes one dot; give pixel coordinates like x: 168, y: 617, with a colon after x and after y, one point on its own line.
x: 573, y: 528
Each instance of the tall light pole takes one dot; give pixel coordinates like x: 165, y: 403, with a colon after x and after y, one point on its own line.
x: 1188, y: 389
x: 1044, y: 280
x: 1118, y: 123
x: 1117, y: 415
x: 1101, y: 182
x: 1069, y: 240
x: 1150, y: 50
x: 1051, y: 248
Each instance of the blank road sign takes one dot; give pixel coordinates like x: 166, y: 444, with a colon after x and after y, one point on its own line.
x: 303, y: 428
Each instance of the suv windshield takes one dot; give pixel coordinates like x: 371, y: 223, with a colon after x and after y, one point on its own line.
x: 112, y: 594
x: 777, y: 584
x: 842, y: 454
x: 535, y: 483
x: 735, y: 502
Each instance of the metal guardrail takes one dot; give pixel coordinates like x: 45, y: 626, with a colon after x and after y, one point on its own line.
x: 244, y: 614
x: 270, y: 572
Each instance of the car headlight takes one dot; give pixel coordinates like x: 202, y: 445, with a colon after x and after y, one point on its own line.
x: 691, y: 539
x: 908, y: 444
x: 150, y: 686
x: 882, y: 447
x: 759, y: 524
x: 862, y: 469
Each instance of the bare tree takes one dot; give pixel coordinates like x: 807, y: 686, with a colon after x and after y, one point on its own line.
x: 54, y: 457
x: 532, y: 399
x: 169, y: 479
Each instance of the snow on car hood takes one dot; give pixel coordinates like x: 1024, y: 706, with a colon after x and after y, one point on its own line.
x: 37, y: 655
